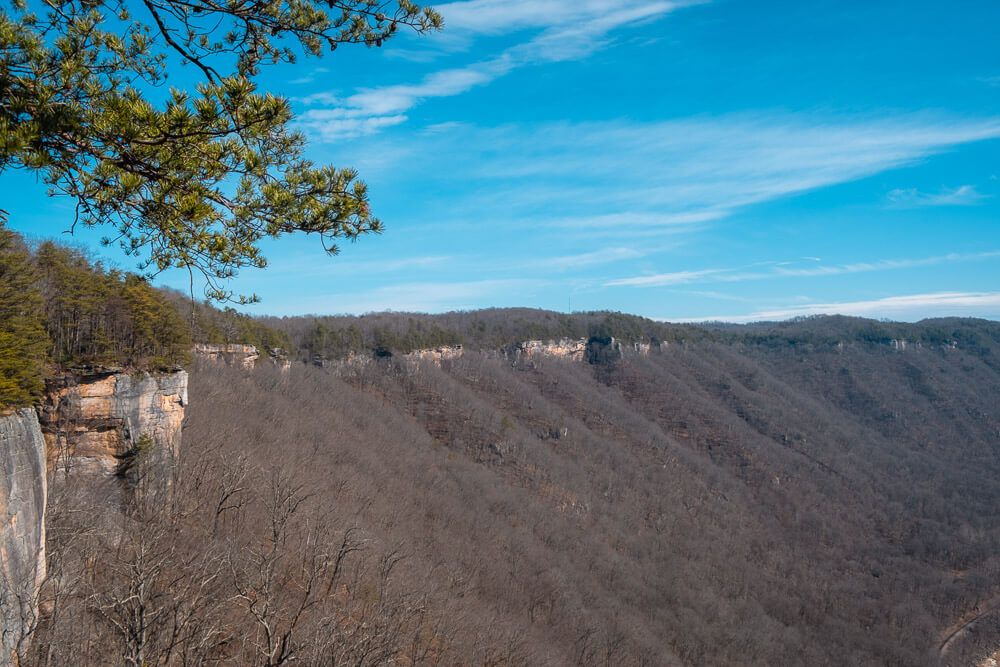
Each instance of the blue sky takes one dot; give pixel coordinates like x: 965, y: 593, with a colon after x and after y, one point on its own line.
x: 686, y: 161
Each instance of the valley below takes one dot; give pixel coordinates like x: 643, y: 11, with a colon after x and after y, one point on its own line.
x: 766, y: 500
x: 805, y: 493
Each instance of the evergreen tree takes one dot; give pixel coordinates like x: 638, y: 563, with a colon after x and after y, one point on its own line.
x: 199, y: 180
x: 23, y: 342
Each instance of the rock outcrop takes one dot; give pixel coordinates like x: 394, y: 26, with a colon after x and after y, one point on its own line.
x: 436, y: 355
x: 993, y: 660
x: 566, y: 348
x: 592, y: 350
x: 242, y: 356
x: 574, y: 349
x: 279, y: 358
x: 644, y: 349
x: 23, y: 494
x: 94, y: 424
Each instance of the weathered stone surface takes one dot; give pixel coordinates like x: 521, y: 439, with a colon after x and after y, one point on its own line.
x: 91, y: 422
x: 23, y: 494
x: 584, y: 349
x: 243, y: 356
x: 353, y: 361
x: 279, y: 358
x: 436, y: 355
x: 644, y: 349
x: 573, y: 349
x: 992, y: 661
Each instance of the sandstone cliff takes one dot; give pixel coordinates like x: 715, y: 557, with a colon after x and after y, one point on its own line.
x: 22, y: 527
x: 436, y: 355
x: 575, y: 350
x: 93, y: 424
x: 243, y: 356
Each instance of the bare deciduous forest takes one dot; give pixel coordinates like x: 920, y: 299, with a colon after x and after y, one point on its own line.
x: 805, y: 493
x: 193, y: 484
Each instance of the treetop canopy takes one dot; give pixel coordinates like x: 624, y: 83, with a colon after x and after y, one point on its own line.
x: 198, y: 181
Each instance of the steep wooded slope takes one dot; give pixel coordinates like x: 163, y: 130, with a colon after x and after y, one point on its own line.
x: 762, y: 499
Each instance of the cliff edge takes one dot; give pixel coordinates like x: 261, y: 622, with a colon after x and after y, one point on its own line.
x: 22, y: 528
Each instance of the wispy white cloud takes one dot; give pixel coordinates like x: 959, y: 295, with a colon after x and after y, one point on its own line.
x: 588, y: 259
x: 636, y: 220
x: 723, y: 162
x: 503, y: 16
x: 309, y: 77
x: 626, y: 177
x: 885, y: 265
x: 562, y: 30
x: 781, y: 270
x: 673, y: 278
x: 338, y: 122
x: 963, y: 195
x: 909, y: 307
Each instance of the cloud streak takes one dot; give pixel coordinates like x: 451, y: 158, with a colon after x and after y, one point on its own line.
x: 963, y: 195
x: 564, y: 30
x: 782, y: 271
x: 622, y: 177
x: 587, y: 259
x: 493, y: 17
x: 909, y: 307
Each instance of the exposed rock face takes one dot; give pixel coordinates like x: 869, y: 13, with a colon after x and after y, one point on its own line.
x: 576, y: 350
x: 87, y: 425
x: 644, y: 349
x: 353, y: 361
x: 992, y: 661
x: 22, y: 527
x: 592, y: 350
x: 436, y: 355
x: 279, y: 358
x: 92, y: 423
x: 581, y: 349
x: 243, y: 356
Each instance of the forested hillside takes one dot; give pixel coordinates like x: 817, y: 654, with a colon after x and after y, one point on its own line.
x: 798, y: 494
x: 818, y: 491
x: 770, y: 497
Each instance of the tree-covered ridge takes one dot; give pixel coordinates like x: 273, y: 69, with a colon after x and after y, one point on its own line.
x: 831, y: 330
x: 338, y: 336
x: 59, y: 310
x: 719, y: 503
x: 489, y: 329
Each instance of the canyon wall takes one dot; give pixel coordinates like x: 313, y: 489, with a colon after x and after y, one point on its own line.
x: 573, y: 349
x: 92, y: 427
x: 96, y: 424
x: 243, y: 356
x: 22, y: 527
x: 436, y: 355
x: 584, y: 349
